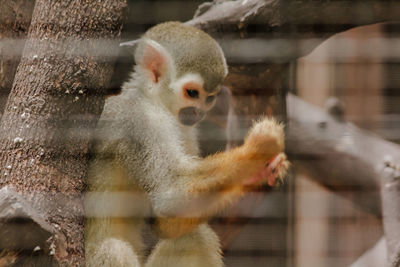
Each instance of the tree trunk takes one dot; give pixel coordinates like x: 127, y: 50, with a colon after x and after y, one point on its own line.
x: 55, y: 101
x: 15, y: 17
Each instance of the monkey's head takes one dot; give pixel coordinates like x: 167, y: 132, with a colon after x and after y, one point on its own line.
x: 183, y: 67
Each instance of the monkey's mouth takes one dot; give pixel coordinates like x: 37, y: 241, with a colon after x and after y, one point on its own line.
x: 190, y: 115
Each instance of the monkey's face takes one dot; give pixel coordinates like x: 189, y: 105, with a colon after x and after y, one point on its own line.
x: 191, y: 100
x: 185, y: 89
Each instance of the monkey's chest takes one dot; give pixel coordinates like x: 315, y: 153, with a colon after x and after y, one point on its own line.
x: 127, y: 196
x: 190, y: 144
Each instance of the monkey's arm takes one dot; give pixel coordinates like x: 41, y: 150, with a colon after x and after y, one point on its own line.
x: 221, y: 170
x: 211, y: 183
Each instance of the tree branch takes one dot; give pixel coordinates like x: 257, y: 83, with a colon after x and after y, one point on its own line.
x: 337, y: 154
x: 297, y: 26
x: 390, y: 191
x: 373, y: 257
x: 348, y: 160
x: 23, y: 229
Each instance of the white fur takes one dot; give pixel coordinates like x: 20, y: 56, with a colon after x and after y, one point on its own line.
x: 139, y: 126
x: 142, y: 151
x: 113, y: 252
x: 199, y: 248
x: 188, y: 77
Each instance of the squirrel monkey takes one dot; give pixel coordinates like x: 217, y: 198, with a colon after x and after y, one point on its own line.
x: 146, y: 159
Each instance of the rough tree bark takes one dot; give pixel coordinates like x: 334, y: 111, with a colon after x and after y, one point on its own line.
x: 15, y: 17
x: 55, y: 101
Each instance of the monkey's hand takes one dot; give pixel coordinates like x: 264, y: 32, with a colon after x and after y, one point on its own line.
x: 274, y: 169
x: 265, y: 140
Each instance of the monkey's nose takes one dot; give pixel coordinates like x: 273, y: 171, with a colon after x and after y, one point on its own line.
x: 190, y: 115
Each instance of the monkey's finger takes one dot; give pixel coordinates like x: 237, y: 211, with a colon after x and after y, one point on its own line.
x: 276, y: 161
x: 266, y: 173
x: 256, y: 179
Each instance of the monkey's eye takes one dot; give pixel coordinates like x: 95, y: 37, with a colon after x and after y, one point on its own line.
x: 192, y: 93
x: 210, y: 99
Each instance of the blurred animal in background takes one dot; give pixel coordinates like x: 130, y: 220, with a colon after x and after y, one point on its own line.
x: 146, y: 157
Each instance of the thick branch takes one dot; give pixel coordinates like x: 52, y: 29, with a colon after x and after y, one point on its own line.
x: 348, y: 159
x: 24, y: 230
x: 390, y: 191
x: 297, y: 27
x: 338, y: 154
x: 375, y: 256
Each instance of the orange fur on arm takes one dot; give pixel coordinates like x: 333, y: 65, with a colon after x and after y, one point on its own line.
x: 220, y: 179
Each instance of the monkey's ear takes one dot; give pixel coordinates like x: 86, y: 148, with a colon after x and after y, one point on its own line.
x: 155, y: 59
